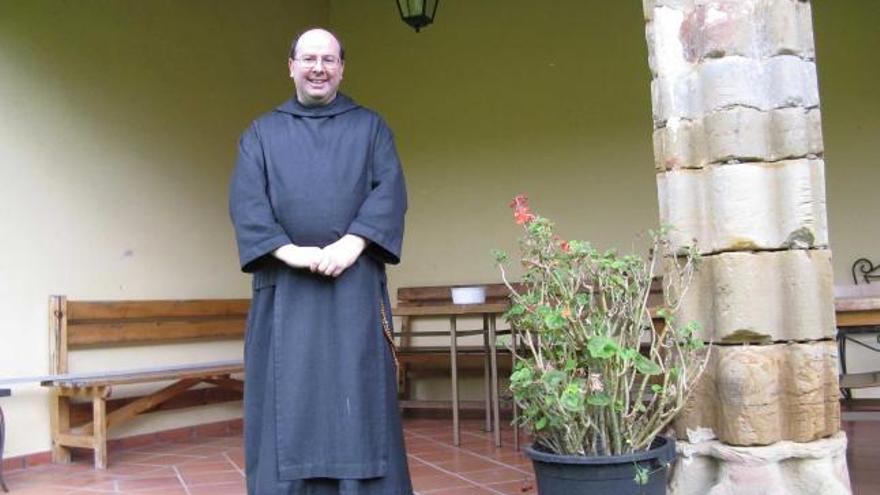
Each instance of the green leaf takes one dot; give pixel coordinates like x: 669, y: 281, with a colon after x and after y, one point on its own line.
x: 646, y: 366
x: 500, y: 256
x: 579, y: 247
x: 553, y: 378
x: 692, y: 328
x: 541, y: 423
x: 628, y: 353
x: 602, y: 347
x: 656, y: 388
x: 554, y: 320
x: 599, y: 400
x: 570, y: 365
x: 582, y: 299
x: 520, y: 376
x: 516, y: 310
x: 572, y: 399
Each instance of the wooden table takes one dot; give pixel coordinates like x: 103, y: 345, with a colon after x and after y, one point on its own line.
x: 489, y: 312
x: 857, y: 311
x: 4, y: 392
x: 856, y: 315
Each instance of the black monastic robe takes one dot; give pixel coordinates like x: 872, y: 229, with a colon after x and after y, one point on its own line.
x: 320, y: 403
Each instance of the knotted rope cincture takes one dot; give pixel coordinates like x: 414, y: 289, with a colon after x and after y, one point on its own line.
x: 389, y: 336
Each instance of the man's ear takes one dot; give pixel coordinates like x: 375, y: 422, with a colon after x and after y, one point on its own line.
x: 290, y: 66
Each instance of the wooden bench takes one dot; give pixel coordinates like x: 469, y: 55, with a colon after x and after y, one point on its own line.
x: 75, y: 325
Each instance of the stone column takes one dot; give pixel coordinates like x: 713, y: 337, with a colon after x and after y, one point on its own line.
x: 738, y: 154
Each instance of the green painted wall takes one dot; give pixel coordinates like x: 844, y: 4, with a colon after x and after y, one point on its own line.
x: 500, y: 98
x: 119, y: 121
x: 848, y: 58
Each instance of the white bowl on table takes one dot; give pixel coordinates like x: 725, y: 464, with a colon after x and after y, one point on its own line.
x: 468, y: 295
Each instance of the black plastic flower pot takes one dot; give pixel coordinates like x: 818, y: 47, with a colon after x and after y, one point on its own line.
x: 612, y: 475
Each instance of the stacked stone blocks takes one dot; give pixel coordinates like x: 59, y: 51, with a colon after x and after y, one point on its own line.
x: 740, y: 171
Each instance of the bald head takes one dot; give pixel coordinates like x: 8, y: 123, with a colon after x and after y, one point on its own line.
x: 310, y: 35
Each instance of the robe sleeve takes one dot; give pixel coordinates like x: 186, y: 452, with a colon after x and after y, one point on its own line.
x: 257, y: 231
x: 380, y: 217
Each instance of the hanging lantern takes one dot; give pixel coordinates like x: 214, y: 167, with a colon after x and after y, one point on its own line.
x: 417, y: 13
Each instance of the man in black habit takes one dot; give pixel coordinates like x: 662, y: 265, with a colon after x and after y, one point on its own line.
x: 317, y: 201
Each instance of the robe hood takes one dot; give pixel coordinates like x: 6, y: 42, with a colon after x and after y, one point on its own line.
x: 340, y: 104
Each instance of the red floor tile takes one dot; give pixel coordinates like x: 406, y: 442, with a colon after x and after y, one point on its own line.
x: 214, y: 465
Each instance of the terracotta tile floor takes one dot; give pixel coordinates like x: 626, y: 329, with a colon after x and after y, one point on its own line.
x: 213, y: 465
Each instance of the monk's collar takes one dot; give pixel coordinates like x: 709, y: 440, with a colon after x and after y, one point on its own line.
x: 340, y: 104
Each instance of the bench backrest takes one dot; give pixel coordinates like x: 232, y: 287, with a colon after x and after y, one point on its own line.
x: 96, y: 324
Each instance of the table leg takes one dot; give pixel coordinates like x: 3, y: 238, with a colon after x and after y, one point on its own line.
x: 2, y: 440
x: 493, y: 355
x: 514, y: 343
x: 453, y: 361
x: 487, y: 379
x: 841, y: 353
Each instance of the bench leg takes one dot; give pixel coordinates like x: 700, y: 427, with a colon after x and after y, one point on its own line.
x: 99, y: 420
x: 60, y: 419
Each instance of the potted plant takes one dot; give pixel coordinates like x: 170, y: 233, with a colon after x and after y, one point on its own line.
x: 600, y: 379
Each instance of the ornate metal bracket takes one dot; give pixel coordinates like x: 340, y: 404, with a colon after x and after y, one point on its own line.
x: 865, y: 271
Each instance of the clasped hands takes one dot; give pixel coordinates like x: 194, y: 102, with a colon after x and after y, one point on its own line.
x: 330, y: 260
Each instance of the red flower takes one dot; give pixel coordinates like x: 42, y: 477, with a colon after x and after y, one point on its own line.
x: 520, y: 201
x: 565, y: 247
x: 521, y: 213
x: 523, y: 216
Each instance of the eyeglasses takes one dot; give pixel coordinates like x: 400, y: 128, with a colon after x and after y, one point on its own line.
x: 328, y: 61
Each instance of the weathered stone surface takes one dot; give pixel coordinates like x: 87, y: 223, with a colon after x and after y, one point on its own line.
x: 717, y: 84
x: 775, y: 296
x: 738, y: 134
x: 788, y: 28
x: 746, y: 206
x: 784, y: 468
x: 680, y: 144
x: 750, y: 28
x: 791, y: 82
x: 795, y: 133
x: 762, y: 394
x: 675, y: 97
x: 721, y: 28
x: 664, y: 41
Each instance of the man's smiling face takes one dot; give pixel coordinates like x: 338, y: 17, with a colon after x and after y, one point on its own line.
x: 316, y: 68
